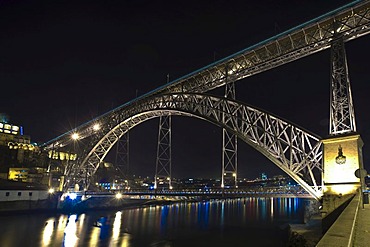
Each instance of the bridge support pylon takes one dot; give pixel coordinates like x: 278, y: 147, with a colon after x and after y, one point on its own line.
x: 163, y: 168
x: 342, y: 151
x: 342, y: 156
x: 229, y: 175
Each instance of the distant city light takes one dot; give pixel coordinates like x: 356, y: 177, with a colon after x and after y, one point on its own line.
x: 118, y: 195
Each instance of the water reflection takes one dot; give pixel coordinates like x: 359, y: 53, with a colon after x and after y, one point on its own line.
x: 116, y: 227
x: 48, y: 231
x: 70, y: 231
x: 94, y: 237
x: 153, y: 225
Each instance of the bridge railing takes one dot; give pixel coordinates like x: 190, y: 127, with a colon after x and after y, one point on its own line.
x: 294, y: 191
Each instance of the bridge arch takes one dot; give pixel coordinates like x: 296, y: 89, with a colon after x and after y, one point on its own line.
x: 293, y: 149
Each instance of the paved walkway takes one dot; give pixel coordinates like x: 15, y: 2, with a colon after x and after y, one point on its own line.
x: 351, y: 229
x: 361, y: 237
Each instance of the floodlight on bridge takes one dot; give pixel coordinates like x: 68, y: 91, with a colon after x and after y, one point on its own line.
x: 96, y: 127
x: 75, y: 136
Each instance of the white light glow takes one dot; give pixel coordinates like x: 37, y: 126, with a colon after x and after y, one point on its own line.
x: 116, y: 227
x: 70, y: 237
x: 72, y: 196
x: 118, y: 195
x: 96, y: 127
x: 48, y: 232
x: 75, y: 136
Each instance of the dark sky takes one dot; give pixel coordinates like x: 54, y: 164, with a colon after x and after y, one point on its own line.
x: 63, y: 63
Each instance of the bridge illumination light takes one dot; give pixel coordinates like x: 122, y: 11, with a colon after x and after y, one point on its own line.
x: 96, y: 127
x: 75, y: 136
x: 118, y: 195
x: 72, y: 196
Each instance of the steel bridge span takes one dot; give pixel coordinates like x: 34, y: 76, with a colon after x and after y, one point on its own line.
x: 296, y: 151
x: 213, y: 193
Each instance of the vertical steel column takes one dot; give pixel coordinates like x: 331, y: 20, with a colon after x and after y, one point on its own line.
x: 122, y: 160
x: 230, y: 143
x: 164, y: 159
x: 342, y: 113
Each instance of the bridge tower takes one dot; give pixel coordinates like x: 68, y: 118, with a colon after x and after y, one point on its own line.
x: 164, y: 157
x: 342, y: 150
x: 122, y: 159
x: 230, y: 144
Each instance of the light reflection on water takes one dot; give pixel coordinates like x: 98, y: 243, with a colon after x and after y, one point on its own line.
x: 165, y: 225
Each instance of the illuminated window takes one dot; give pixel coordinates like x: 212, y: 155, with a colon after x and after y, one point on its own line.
x: 7, y: 126
x: 1, y: 125
x: 16, y: 128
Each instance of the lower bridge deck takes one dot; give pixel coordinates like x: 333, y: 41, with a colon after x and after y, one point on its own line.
x: 205, y: 193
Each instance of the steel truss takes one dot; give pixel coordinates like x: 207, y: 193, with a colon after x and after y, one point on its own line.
x: 342, y: 113
x: 230, y: 146
x: 294, y: 150
x: 163, y: 163
x: 350, y: 22
x: 122, y: 161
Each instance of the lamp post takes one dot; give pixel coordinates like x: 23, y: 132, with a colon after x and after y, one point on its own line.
x: 75, y: 136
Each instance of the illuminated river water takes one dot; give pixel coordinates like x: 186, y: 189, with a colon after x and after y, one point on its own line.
x: 229, y: 222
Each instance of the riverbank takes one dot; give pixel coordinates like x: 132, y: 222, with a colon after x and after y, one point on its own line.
x: 308, y: 234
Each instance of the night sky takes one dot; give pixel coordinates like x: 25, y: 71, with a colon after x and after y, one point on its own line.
x: 63, y: 63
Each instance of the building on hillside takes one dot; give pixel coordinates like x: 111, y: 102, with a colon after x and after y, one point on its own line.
x: 19, y: 157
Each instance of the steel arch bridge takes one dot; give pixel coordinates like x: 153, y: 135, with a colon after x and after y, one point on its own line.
x: 293, y: 149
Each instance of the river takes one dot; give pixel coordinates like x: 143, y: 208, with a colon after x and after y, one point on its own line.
x: 229, y: 222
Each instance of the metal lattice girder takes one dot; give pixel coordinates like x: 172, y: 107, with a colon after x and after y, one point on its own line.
x: 123, y: 156
x: 229, y: 158
x: 163, y: 163
x: 294, y: 150
x: 342, y: 114
x: 350, y: 22
x: 230, y: 146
